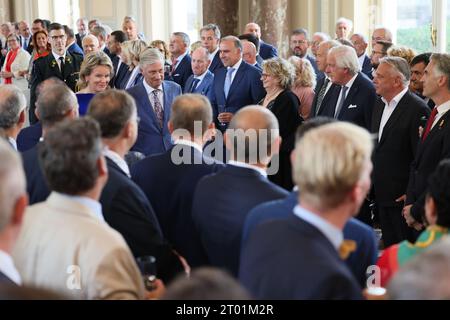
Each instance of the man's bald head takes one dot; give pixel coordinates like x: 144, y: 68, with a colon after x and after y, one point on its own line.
x: 249, y: 52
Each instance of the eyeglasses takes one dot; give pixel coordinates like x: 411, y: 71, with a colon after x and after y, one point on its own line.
x: 265, y: 75
x: 54, y: 38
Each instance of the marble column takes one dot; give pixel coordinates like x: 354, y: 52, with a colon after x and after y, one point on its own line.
x: 273, y: 16
x: 6, y: 10
x: 224, y: 13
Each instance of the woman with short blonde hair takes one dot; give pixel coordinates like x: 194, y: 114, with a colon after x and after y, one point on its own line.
x: 131, y: 50
x: 304, y: 84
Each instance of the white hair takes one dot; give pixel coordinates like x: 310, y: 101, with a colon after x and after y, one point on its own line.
x: 346, y: 58
x: 346, y: 21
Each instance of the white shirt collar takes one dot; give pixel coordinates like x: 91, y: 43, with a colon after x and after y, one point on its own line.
x: 443, y: 108
x: 248, y: 166
x: 213, y: 54
x: 333, y: 234
x: 189, y: 144
x: 150, y: 89
x: 201, y: 77
x: 397, y: 98
x: 94, y: 206
x: 58, y: 56
x: 350, y: 83
x: 8, y: 268
x: 13, y: 142
x: 180, y: 58
x: 118, y: 160
x: 361, y: 60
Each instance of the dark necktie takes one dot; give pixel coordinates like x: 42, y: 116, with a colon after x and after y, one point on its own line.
x: 61, y: 59
x: 321, y: 95
x: 430, y: 123
x: 194, y: 85
x: 341, y: 103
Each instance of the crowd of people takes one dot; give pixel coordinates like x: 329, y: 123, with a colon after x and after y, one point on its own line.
x: 220, y: 155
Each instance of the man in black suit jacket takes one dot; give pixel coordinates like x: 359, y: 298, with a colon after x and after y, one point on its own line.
x: 396, y: 120
x: 124, y: 206
x: 59, y: 64
x: 177, y: 171
x: 435, y: 141
x: 181, y: 60
x: 26, y: 37
x: 418, y: 65
x: 299, y: 257
x: 210, y: 37
x: 120, y: 69
x: 265, y: 50
x: 223, y: 200
x: 360, y: 43
x: 82, y: 27
x: 13, y: 201
x: 55, y: 103
x: 357, y: 96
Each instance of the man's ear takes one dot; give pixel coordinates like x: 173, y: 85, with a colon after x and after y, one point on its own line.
x: 170, y: 126
x: 19, y: 210
x: 22, y: 117
x: 430, y: 210
x: 102, y: 166
x: 276, y: 144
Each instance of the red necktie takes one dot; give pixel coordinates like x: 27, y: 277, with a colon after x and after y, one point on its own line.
x: 430, y: 123
x: 174, y: 65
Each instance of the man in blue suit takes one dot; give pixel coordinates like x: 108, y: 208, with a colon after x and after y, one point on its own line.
x: 201, y: 81
x: 266, y: 51
x: 177, y: 173
x: 300, y: 257
x: 72, y: 45
x: 366, y: 251
x: 357, y: 96
x: 153, y: 96
x: 13, y: 202
x: 236, y: 86
x: 124, y: 206
x: 223, y: 200
x: 210, y: 37
x: 181, y: 60
x: 360, y: 43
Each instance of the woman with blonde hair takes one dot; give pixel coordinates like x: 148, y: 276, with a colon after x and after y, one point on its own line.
x: 304, y: 84
x: 131, y: 50
x: 164, y: 49
x: 277, y: 77
x: 402, y: 52
x: 95, y: 74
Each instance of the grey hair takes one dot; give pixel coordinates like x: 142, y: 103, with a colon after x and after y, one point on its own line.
x: 12, y: 103
x: 388, y: 33
x: 323, y: 35
x: 184, y: 37
x: 212, y: 27
x: 442, y: 65
x: 401, y: 66
x: 346, y: 58
x: 301, y: 31
x: 100, y: 31
x: 363, y: 37
x: 235, y: 40
x: 348, y: 22
x: 150, y: 56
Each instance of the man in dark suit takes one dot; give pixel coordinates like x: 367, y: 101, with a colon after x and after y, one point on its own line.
x: 13, y: 202
x: 59, y: 64
x: 120, y: 68
x: 178, y: 172
x: 250, y: 37
x: 210, y: 37
x: 360, y: 43
x: 418, y: 65
x: 13, y: 106
x: 72, y: 46
x: 82, y: 27
x: 299, y: 257
x: 299, y: 46
x: 236, y: 86
x: 26, y: 37
x: 124, y: 206
x: 265, y: 50
x: 102, y: 36
x: 396, y: 120
x: 435, y: 142
x: 201, y: 81
x: 249, y: 54
x: 55, y: 103
x: 223, y: 200
x: 181, y: 60
x: 356, y: 97
x: 153, y: 96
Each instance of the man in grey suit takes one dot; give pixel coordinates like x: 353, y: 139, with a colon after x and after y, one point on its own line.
x: 13, y: 201
x: 65, y: 244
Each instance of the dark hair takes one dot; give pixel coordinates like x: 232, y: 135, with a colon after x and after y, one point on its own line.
x: 69, y: 155
x: 47, y: 24
x: 206, y: 284
x: 39, y: 21
x: 438, y: 190
x: 69, y: 32
x: 386, y: 45
x: 54, y: 102
x: 112, y: 109
x: 312, y: 124
x: 301, y: 31
x: 119, y: 36
x: 55, y: 26
x: 251, y: 38
x: 34, y: 39
x: 423, y: 57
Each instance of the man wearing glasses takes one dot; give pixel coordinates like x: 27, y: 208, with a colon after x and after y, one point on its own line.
x: 60, y: 64
x: 300, y: 45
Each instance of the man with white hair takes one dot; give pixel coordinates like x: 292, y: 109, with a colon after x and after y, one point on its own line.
x: 266, y: 51
x: 90, y: 44
x: 344, y: 28
x: 396, y: 120
x: 381, y: 34
x: 12, y: 112
x: 13, y: 201
x: 356, y: 98
x: 297, y: 257
x: 82, y: 27
x: 153, y: 97
x: 201, y: 81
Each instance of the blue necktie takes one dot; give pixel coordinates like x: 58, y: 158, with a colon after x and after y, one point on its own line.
x: 227, y: 86
x: 194, y: 85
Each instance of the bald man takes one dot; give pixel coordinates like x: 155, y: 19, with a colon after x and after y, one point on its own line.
x: 266, y: 51
x: 249, y: 54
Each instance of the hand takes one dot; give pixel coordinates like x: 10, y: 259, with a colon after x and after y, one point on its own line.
x: 407, y: 215
x: 418, y: 226
x: 23, y: 73
x: 5, y: 74
x: 225, y: 117
x: 4, y: 52
x: 158, y: 292
x: 186, y: 267
x: 401, y: 199
x: 421, y: 130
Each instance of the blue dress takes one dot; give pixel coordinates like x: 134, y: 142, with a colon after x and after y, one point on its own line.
x: 83, y: 102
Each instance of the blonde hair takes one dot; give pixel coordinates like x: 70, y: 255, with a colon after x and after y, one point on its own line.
x: 90, y: 62
x: 133, y: 49
x: 156, y: 43
x: 281, y: 69
x: 330, y: 161
x: 403, y: 52
x: 305, y: 76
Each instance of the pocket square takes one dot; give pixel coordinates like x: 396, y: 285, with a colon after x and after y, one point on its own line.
x: 352, y: 106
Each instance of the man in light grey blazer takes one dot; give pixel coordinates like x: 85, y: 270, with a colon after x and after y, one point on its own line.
x: 65, y: 245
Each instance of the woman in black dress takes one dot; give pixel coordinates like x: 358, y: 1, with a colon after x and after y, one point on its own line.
x: 278, y: 76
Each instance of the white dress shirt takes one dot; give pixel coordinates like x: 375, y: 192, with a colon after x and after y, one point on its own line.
x: 133, y: 76
x: 179, y: 60
x: 361, y: 60
x: 213, y: 55
x: 349, y: 87
x: 248, y: 166
x: 389, y: 109
x: 114, y: 157
x: 13, y: 143
x: 333, y: 234
x: 200, y: 77
x: 442, y: 110
x: 8, y: 269
x: 150, y: 94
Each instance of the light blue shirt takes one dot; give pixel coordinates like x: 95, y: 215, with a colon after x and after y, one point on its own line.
x: 333, y: 234
x: 94, y: 206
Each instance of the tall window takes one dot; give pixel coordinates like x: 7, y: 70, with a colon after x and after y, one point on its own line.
x: 66, y: 12
x: 186, y: 17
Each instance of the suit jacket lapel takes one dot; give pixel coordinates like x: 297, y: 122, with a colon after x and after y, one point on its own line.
x: 148, y: 106
x: 353, y: 91
x: 54, y: 66
x: 167, y: 107
x: 399, y: 110
x: 423, y: 144
x: 376, y: 117
x: 237, y: 79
